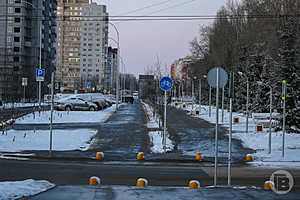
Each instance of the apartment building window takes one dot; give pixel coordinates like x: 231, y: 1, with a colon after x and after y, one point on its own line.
x: 16, y: 49
x: 17, y: 20
x: 17, y: 10
x: 17, y: 29
x: 16, y: 39
x: 16, y: 59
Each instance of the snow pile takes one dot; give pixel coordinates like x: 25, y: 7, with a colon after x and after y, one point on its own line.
x: 63, y: 140
x: 153, y: 120
x: 156, y: 137
x: 19, y: 189
x: 60, y: 117
x: 259, y: 141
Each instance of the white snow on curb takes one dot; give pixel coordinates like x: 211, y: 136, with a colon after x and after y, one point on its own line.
x: 67, y: 117
x: 63, y: 140
x: 19, y: 189
x: 156, y: 137
x: 259, y: 141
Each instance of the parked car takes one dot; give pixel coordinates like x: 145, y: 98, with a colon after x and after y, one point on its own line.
x: 74, y: 103
x: 1, y: 105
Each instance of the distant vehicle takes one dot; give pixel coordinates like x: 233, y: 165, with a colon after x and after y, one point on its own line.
x: 128, y: 99
x: 135, y: 94
x: 1, y: 105
x: 74, y: 103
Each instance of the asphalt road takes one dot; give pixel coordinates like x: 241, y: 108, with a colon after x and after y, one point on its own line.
x: 152, y: 193
x: 120, y: 173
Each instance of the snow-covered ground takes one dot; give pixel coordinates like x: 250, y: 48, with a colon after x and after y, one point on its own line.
x: 156, y: 137
x: 17, y: 141
x: 67, y: 117
x: 21, y: 105
x: 258, y: 141
x: 26, y: 188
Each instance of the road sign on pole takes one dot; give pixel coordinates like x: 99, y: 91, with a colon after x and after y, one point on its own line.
x: 40, y: 74
x: 217, y: 78
x: 212, y: 77
x: 165, y: 84
x: 24, y: 81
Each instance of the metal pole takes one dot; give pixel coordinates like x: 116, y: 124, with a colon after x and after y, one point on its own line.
x: 200, y: 96
x: 284, y: 116
x: 40, y: 66
x: 192, y: 96
x: 51, y: 116
x: 247, y: 107
x: 223, y: 98
x: 217, y: 130
x: 118, y: 63
x: 165, y: 123
x: 24, y: 93
x: 209, y: 109
x: 270, y: 126
x: 229, y: 145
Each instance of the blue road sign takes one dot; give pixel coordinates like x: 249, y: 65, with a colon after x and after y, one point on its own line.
x: 166, y: 83
x: 40, y: 74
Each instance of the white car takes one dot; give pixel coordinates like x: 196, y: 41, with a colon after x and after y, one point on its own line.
x: 75, y: 103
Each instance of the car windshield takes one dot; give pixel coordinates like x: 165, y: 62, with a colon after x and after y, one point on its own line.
x: 149, y: 99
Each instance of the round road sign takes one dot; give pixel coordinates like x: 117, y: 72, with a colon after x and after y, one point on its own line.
x: 166, y: 83
x: 212, y: 77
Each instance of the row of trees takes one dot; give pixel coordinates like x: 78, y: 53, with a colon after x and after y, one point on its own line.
x: 261, y: 40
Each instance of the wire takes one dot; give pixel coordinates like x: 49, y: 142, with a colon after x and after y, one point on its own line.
x: 152, y: 18
x: 174, y: 6
x: 146, y: 7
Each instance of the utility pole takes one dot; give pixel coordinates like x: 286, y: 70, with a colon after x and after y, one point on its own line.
x: 284, y: 92
x: 200, y: 96
x: 247, y: 107
x: 51, y: 116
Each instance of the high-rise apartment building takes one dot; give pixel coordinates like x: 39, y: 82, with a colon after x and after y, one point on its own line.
x: 93, y: 46
x: 20, y: 42
x: 69, y: 14
x: 82, y: 43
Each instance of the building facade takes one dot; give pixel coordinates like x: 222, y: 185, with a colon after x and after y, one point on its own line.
x: 93, y: 46
x: 26, y: 26
x: 110, y: 70
x: 68, y: 45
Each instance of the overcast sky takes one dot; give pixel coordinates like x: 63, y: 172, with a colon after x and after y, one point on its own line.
x: 142, y: 41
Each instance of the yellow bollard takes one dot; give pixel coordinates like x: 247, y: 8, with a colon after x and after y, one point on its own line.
x: 94, y: 181
x: 140, y: 156
x: 99, y: 156
x: 248, y: 158
x: 198, y: 156
x: 268, y: 185
x: 141, y: 183
x: 193, y: 184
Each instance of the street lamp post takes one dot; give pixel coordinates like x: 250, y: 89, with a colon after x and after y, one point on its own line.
x: 270, y: 116
x: 117, y: 73
x: 247, y: 100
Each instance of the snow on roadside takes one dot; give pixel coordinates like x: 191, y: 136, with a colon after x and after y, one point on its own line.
x: 259, y: 141
x: 14, y: 190
x: 21, y: 105
x: 156, y: 137
x: 152, y: 118
x: 67, y: 117
x: 63, y: 140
